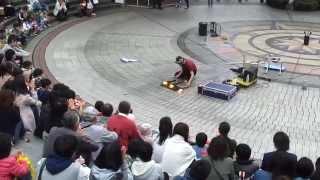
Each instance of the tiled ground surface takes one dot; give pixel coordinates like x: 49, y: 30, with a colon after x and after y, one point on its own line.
x: 86, y: 57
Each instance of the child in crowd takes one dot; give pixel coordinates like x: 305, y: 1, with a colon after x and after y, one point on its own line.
x: 146, y: 132
x: 10, y: 167
x: 200, y: 146
x: 98, y: 105
x: 36, y: 77
x: 23, y: 14
x: 106, y: 111
x: 43, y: 92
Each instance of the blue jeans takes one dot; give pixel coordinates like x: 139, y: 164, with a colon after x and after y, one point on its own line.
x: 18, y: 132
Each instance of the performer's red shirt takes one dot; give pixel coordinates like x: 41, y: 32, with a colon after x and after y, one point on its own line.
x: 189, y: 66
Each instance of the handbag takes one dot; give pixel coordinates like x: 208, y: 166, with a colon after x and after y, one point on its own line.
x: 217, y: 172
x: 41, y: 169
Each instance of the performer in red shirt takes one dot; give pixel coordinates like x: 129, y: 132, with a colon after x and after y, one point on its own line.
x: 188, y: 70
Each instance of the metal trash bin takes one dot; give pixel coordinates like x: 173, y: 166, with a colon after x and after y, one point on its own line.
x: 203, y: 28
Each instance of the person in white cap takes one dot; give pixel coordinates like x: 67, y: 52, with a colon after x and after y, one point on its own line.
x: 93, y: 129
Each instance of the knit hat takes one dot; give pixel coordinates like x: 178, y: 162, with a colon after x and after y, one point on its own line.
x: 89, y: 113
x: 146, y: 129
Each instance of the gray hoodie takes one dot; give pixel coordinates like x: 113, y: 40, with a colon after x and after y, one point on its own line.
x: 107, y: 174
x: 146, y: 170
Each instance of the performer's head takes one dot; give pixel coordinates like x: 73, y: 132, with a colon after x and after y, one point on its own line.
x: 179, y: 60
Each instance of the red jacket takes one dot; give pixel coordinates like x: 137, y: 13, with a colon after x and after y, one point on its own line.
x: 124, y: 127
x: 10, y: 168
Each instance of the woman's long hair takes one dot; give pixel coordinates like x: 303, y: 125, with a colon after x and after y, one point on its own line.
x: 165, y: 129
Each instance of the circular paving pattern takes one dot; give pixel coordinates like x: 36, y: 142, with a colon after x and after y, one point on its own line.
x: 91, y: 66
x: 256, y: 40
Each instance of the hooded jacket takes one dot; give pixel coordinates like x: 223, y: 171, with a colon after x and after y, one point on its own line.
x: 10, y: 168
x: 58, y: 168
x: 107, y: 174
x: 146, y: 170
x: 177, y: 156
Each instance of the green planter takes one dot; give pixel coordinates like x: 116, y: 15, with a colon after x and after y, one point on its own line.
x: 306, y: 5
x: 280, y: 4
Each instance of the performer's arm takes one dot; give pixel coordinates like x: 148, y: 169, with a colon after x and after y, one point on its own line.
x: 191, y: 78
x: 178, y: 74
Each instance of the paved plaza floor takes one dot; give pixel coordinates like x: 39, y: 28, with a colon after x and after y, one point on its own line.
x: 87, y: 56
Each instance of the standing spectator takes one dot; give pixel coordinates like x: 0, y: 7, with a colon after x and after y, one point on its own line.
x: 144, y: 168
x: 10, y: 117
x: 157, y: 3
x: 178, y: 153
x: 60, y: 165
x: 199, y: 170
x: 199, y: 147
x: 26, y: 103
x: 305, y: 169
x: 108, y: 167
x: 281, y: 142
x: 316, y: 174
x: 187, y: 4
x: 122, y: 125
x: 243, y: 163
x: 221, y: 165
x: 9, y: 166
x: 224, y: 129
x: 60, y: 10
x: 210, y: 3
x: 165, y: 132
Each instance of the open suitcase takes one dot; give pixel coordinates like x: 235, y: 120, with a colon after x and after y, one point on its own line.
x: 217, y: 90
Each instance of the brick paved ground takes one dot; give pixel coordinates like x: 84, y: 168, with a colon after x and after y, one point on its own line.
x: 86, y: 57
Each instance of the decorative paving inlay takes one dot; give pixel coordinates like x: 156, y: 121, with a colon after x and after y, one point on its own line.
x: 255, y: 40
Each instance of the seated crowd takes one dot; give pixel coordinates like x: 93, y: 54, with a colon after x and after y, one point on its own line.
x: 85, y: 142
x: 82, y: 141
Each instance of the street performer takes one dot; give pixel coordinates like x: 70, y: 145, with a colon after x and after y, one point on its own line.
x: 187, y: 72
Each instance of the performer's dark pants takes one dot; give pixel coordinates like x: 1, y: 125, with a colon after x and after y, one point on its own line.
x: 187, y: 3
x: 156, y: 2
x: 184, y: 75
